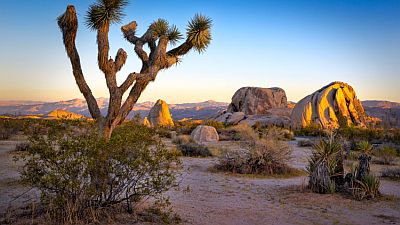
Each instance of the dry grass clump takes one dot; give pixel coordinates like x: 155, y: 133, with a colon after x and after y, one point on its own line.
x: 305, y: 143
x: 182, y: 139
x: 267, y: 155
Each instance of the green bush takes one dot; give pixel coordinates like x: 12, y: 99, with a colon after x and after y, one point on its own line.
x: 386, y: 155
x: 77, y: 173
x: 194, y: 150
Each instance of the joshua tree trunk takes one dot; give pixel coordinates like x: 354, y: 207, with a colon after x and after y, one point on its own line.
x: 363, y: 166
x: 157, y: 37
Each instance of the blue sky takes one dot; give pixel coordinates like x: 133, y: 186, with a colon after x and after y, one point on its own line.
x: 297, y: 45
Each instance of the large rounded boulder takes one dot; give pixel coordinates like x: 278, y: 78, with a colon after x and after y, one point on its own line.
x: 330, y: 107
x: 256, y: 100
x: 159, y: 115
x: 204, y: 133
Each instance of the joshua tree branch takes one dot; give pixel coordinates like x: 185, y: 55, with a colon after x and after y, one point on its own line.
x: 68, y: 23
x: 174, y: 54
x: 120, y: 59
x: 129, y: 81
x: 103, y: 48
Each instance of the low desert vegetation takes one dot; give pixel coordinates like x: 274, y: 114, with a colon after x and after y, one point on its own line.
x: 354, y: 133
x: 266, y: 155
x: 79, y: 176
x: 392, y: 173
x: 193, y: 149
x: 186, y: 126
x: 386, y: 155
x: 216, y: 124
x: 324, y: 166
x: 182, y: 139
x: 327, y: 175
x: 10, y: 127
x: 305, y: 143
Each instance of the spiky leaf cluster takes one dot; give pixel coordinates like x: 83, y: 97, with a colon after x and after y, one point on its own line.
x: 174, y: 35
x: 161, y: 27
x: 198, y: 32
x: 105, y: 12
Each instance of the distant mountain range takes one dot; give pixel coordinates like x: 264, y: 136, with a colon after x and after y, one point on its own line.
x: 388, y: 112
x: 200, y: 110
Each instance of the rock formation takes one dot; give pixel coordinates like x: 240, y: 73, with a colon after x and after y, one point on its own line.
x: 253, y: 104
x: 146, y: 122
x: 255, y: 100
x: 330, y: 107
x: 63, y: 114
x: 204, y: 133
x: 159, y: 115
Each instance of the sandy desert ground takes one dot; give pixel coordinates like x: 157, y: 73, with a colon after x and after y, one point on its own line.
x: 207, y: 197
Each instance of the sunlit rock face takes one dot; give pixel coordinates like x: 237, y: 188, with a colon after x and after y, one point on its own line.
x: 256, y: 100
x: 330, y: 107
x: 204, y: 133
x: 159, y: 115
x: 63, y: 114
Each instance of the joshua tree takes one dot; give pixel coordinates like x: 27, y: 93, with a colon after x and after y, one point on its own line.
x: 158, y: 35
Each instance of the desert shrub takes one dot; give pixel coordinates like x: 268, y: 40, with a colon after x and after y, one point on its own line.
x: 360, y: 133
x: 324, y: 165
x: 311, y: 130
x: 353, y: 155
x: 393, y: 173
x: 182, y: 139
x: 305, y: 143
x: 277, y: 133
x: 10, y: 127
x: 77, y: 173
x: 386, y: 155
x: 244, y: 132
x: 194, y: 150
x: 266, y: 159
x: 186, y: 126
x: 22, y: 146
x: 163, y: 132
x: 216, y: 124
x: 267, y: 156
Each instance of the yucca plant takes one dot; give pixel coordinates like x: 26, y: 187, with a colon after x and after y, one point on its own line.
x: 364, y: 147
x: 100, y: 16
x: 368, y: 187
x: 323, y: 165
